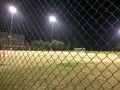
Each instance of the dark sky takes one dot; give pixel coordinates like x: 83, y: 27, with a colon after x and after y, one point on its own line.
x: 92, y: 24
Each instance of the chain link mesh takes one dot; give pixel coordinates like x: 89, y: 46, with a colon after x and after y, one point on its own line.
x: 77, y: 49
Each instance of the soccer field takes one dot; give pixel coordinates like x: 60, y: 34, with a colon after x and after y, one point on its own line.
x: 59, y: 70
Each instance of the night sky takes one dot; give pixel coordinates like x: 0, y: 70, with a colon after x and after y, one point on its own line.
x: 92, y: 24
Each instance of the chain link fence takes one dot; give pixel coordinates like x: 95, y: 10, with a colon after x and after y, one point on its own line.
x: 59, y: 44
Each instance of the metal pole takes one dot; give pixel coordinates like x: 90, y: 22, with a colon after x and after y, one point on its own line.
x: 52, y: 33
x: 11, y: 30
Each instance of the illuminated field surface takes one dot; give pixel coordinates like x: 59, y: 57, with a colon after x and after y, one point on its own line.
x: 59, y: 70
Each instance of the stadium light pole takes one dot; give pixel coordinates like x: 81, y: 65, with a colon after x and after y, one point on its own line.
x: 13, y: 10
x: 119, y: 38
x: 53, y: 20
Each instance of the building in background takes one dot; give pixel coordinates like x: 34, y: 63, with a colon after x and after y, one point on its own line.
x: 14, y: 41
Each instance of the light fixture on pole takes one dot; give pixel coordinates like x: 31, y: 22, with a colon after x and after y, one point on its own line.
x: 13, y: 10
x: 53, y: 20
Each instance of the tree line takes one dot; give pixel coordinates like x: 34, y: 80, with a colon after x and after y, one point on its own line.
x: 47, y: 45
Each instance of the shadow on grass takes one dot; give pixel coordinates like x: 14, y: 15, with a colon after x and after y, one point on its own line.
x: 71, y: 65
x: 66, y: 65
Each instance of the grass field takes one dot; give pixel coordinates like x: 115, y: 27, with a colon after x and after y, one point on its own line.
x: 57, y: 70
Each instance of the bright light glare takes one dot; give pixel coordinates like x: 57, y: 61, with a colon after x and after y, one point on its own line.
x: 12, y: 9
x: 119, y: 31
x: 52, y: 19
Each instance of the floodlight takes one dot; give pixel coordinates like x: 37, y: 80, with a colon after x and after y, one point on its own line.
x: 12, y: 9
x: 52, y: 19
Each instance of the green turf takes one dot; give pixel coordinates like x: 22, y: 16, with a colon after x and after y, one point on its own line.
x: 67, y: 65
x: 58, y: 71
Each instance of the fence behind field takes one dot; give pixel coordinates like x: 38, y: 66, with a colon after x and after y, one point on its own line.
x: 59, y: 44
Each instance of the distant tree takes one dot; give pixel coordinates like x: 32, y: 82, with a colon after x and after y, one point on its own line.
x: 118, y: 47
x: 47, y: 45
x: 0, y: 44
x: 35, y: 43
x: 57, y: 45
x: 27, y: 43
x: 39, y: 44
x: 67, y: 47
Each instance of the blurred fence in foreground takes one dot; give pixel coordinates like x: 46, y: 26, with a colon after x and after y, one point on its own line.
x: 77, y: 48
